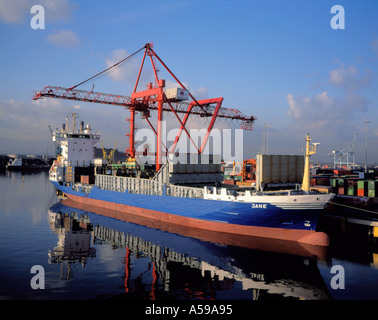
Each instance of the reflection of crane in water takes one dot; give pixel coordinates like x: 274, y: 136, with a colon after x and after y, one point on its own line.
x: 345, y: 156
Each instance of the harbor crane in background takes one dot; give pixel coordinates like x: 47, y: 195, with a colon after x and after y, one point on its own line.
x: 110, y: 157
x: 345, y: 156
x: 153, y: 98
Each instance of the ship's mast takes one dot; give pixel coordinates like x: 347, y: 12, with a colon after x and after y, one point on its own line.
x: 306, y: 174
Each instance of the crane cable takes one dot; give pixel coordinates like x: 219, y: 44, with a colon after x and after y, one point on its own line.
x: 111, y: 67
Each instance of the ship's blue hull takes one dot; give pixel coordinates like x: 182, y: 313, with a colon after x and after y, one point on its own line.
x: 229, y: 212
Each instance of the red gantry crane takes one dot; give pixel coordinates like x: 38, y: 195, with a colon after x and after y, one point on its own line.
x: 153, y: 98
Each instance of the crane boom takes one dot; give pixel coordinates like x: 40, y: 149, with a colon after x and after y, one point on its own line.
x: 140, y: 105
x: 81, y: 95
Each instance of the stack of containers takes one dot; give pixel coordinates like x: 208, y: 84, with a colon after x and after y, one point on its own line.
x: 362, y: 188
x: 352, y: 187
x: 373, y: 188
x: 341, y: 188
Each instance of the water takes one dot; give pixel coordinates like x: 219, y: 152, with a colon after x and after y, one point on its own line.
x: 85, y: 255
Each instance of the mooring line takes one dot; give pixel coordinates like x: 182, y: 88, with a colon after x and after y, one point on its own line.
x: 344, y: 205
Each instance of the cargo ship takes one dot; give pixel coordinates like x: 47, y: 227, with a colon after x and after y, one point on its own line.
x: 176, y: 195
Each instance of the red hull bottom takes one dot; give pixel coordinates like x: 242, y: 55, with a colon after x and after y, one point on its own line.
x: 306, y: 237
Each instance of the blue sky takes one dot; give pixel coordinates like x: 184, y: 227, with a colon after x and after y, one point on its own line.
x: 277, y: 60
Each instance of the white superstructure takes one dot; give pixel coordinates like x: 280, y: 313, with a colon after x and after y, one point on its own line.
x: 284, y: 199
x: 77, y: 148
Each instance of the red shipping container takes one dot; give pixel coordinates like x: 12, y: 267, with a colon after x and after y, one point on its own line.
x: 341, y: 190
x: 229, y: 181
x: 361, y: 192
x: 84, y: 179
x: 341, y: 172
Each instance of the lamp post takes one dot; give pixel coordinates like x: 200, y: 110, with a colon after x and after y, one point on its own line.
x: 366, y: 151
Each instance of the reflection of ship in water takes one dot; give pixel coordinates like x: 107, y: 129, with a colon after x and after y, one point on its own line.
x: 192, y: 268
x: 176, y: 268
x: 74, y: 240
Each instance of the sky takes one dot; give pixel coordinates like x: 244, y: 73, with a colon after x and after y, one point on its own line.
x: 280, y: 61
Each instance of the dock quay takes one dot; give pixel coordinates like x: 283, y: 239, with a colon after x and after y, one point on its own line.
x: 347, y: 215
x: 353, y: 213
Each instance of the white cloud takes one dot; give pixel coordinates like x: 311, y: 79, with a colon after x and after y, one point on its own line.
x: 14, y: 11
x: 128, y: 70
x: 64, y: 38
x: 200, y: 92
x: 313, y: 112
x: 21, y: 121
x: 24, y: 125
x: 18, y: 11
x: 349, y: 78
x: 328, y: 115
x: 324, y: 112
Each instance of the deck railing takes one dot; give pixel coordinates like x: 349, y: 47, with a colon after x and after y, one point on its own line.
x: 145, y: 186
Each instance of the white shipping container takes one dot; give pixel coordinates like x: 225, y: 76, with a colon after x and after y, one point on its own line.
x: 279, y: 169
x: 177, y: 94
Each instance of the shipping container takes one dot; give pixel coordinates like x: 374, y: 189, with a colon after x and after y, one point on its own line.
x: 373, y: 188
x: 84, y: 179
x: 362, y: 188
x: 320, y: 181
x: 279, y: 169
x: 341, y: 172
x: 243, y: 183
x: 351, y: 191
x: 333, y: 182
x: 373, y: 185
x: 372, y: 193
x: 229, y: 181
x: 341, y: 190
x: 362, y: 184
x: 177, y: 94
